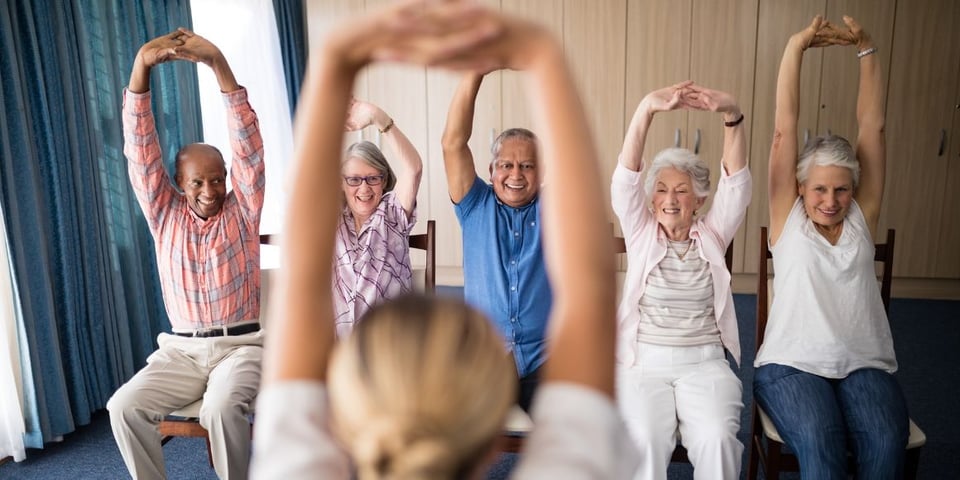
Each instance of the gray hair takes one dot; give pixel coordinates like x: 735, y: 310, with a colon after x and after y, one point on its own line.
x: 828, y: 150
x: 507, y: 134
x: 685, y: 161
x: 371, y: 155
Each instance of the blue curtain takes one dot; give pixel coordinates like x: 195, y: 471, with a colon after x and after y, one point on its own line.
x: 81, y: 252
x: 291, y: 27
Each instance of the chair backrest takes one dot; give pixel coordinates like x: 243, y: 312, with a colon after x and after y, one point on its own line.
x: 428, y: 242
x: 620, y: 246
x: 883, y: 254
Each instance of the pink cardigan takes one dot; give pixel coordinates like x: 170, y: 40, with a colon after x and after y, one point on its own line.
x: 646, y: 246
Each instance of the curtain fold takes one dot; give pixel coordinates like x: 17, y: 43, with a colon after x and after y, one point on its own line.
x: 292, y: 26
x: 83, y: 259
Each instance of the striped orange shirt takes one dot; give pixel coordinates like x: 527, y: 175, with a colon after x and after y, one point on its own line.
x: 209, y: 269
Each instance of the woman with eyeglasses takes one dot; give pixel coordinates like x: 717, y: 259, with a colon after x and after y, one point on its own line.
x: 372, y: 255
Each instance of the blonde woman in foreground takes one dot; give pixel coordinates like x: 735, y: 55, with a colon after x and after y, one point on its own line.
x: 422, y: 386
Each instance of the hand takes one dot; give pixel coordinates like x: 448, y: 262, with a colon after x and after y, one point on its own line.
x: 696, y: 97
x: 196, y: 49
x: 362, y: 114
x: 454, y: 34
x: 857, y: 34
x: 666, y: 98
x: 160, y: 50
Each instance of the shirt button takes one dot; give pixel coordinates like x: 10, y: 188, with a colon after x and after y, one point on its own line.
x: 513, y: 288
x: 533, y: 224
x: 516, y: 234
x: 513, y: 262
x: 514, y: 319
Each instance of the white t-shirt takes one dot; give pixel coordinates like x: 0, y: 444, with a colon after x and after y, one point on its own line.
x: 827, y: 316
x: 578, y: 435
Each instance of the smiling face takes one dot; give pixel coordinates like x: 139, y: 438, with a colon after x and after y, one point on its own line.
x: 514, y: 173
x: 202, y: 175
x: 363, y: 199
x: 674, y: 202
x: 827, y: 194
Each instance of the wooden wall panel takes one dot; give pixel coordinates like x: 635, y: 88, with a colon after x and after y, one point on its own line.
x: 515, y: 111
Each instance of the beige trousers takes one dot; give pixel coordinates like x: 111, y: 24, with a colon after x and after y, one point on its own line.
x: 224, y: 371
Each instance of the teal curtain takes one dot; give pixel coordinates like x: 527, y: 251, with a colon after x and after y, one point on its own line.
x: 89, y: 296
x: 291, y: 28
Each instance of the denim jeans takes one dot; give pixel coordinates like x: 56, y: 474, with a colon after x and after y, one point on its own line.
x: 819, y: 418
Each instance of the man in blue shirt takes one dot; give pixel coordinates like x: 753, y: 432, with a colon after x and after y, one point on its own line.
x: 503, y: 269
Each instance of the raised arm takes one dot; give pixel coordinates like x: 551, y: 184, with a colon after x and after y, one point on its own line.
x: 457, y: 157
x: 782, y: 186
x: 362, y: 114
x: 871, y: 141
x: 302, y: 332
x: 662, y: 100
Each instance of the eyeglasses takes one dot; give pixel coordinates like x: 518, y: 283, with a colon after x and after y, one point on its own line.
x: 372, y: 180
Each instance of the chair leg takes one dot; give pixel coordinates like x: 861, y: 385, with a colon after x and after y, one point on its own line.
x: 753, y: 459
x: 912, y: 464
x: 772, y: 468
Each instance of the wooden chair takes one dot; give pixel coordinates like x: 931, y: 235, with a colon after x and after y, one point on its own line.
x: 185, y: 422
x: 766, y: 445
x: 428, y: 242
x: 519, y: 424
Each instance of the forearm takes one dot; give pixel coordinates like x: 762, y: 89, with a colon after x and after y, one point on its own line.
x: 459, y: 127
x: 139, y: 76
x: 409, y: 175
x: 221, y: 68
x: 788, y: 89
x: 734, y: 142
x: 578, y: 250
x: 870, y: 95
x: 631, y: 156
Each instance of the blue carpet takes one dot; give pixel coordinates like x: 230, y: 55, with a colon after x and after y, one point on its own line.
x: 926, y: 333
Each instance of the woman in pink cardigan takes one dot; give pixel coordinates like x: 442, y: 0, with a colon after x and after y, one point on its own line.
x: 676, y: 317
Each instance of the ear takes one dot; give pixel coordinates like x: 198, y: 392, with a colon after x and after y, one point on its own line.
x: 700, y: 202
x: 800, y: 189
x: 490, y: 168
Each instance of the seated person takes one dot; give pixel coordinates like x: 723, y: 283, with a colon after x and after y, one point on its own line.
x: 422, y: 386
x: 676, y: 314
x: 825, y: 371
x: 208, y: 257
x: 373, y: 238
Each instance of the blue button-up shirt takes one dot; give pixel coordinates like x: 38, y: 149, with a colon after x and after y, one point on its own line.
x: 503, y: 271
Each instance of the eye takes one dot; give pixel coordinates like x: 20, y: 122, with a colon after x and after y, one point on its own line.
x: 527, y: 166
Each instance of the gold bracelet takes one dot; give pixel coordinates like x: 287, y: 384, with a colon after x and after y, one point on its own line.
x: 388, y: 127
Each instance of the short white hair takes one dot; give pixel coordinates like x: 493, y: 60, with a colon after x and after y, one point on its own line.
x: 825, y: 151
x: 685, y: 161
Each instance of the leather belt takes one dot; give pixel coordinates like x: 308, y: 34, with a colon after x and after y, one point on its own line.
x: 223, y: 331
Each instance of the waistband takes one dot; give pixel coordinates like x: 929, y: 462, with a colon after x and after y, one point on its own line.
x: 221, y: 331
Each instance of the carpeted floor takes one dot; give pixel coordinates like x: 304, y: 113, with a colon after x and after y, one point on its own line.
x: 926, y: 332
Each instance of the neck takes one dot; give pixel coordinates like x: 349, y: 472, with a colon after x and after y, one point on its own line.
x: 830, y: 232
x: 358, y: 221
x: 677, y: 234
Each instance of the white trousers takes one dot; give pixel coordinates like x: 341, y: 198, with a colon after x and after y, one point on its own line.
x: 690, y: 390
x: 224, y: 371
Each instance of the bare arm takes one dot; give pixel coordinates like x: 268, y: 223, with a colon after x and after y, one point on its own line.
x: 302, y: 334
x: 362, y: 114
x: 457, y: 157
x: 782, y: 187
x: 871, y: 141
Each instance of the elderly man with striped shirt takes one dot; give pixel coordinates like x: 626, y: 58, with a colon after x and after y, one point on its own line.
x: 208, y: 257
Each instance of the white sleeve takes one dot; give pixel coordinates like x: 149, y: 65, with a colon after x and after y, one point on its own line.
x: 578, y: 434
x: 292, y: 436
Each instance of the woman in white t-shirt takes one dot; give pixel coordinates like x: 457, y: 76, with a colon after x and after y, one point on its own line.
x: 676, y: 317
x: 825, y: 370
x: 422, y: 386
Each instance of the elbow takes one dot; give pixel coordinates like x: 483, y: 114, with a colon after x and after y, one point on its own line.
x: 453, y: 141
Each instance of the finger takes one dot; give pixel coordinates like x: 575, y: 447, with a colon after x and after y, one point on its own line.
x: 854, y: 26
x: 185, y: 32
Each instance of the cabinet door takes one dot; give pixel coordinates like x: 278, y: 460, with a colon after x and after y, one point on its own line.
x: 722, y: 54
x: 658, y: 55
x: 948, y: 255
x: 778, y: 20
x: 841, y: 70
x: 594, y: 36
x: 514, y: 101
x: 921, y: 101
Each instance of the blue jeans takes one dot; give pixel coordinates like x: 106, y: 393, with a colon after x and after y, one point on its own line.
x: 819, y: 418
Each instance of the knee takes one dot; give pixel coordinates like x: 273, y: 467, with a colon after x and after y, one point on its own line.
x: 122, y: 401
x: 222, y: 406
x: 719, y: 434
